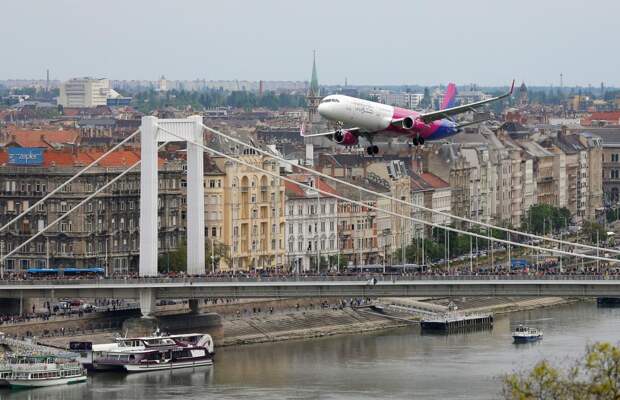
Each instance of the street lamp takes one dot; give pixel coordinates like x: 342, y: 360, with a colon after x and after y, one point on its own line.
x: 212, y: 256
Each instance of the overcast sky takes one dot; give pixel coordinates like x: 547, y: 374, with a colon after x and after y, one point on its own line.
x: 369, y: 42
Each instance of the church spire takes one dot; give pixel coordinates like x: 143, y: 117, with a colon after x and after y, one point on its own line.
x: 313, y: 98
x: 314, y: 82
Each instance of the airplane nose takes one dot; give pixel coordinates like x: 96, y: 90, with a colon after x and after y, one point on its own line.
x: 322, y: 109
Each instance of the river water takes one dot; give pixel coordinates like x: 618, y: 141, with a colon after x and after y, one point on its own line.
x: 395, y: 364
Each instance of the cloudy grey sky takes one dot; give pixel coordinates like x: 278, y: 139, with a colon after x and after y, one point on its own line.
x: 367, y: 41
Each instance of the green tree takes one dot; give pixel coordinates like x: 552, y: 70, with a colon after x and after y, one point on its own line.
x: 544, y: 218
x: 594, y: 231
x: 173, y: 261
x: 594, y: 376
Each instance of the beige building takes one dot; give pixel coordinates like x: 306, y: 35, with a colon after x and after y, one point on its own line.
x: 253, y: 213
x: 393, y: 231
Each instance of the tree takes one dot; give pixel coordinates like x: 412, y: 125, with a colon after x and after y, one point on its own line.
x: 173, y: 261
x: 595, y: 376
x: 594, y: 231
x: 544, y: 218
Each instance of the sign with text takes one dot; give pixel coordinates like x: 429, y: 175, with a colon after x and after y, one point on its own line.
x: 25, y: 156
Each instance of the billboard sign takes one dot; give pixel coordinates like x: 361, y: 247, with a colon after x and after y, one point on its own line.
x: 25, y: 156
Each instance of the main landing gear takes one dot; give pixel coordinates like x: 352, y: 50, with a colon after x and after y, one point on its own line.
x: 372, y: 150
x: 418, y: 140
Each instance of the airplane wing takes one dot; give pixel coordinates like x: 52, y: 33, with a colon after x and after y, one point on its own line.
x: 448, y: 112
x: 301, y: 132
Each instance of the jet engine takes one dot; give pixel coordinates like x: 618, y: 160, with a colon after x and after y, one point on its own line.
x: 408, y: 123
x: 345, y: 138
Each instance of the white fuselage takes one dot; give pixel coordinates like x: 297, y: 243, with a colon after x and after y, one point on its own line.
x: 366, y: 115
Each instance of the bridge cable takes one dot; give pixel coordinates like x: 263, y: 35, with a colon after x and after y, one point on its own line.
x: 445, y: 214
x: 78, y: 205
x: 68, y: 181
x: 343, y: 198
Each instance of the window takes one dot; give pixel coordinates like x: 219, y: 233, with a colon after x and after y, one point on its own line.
x: 615, y: 174
x: 614, y: 157
x: 214, y: 231
x: 290, y: 229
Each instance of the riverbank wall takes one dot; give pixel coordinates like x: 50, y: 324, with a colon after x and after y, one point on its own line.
x: 271, y: 320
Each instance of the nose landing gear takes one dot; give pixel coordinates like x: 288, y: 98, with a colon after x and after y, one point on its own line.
x: 372, y: 150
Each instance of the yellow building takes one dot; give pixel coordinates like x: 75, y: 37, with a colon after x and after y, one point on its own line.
x: 252, y: 212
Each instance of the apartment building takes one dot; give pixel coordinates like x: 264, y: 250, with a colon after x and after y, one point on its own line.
x: 102, y: 232
x: 311, y: 225
x: 84, y: 92
x: 253, y: 212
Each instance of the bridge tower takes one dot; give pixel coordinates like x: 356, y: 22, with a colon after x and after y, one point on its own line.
x: 187, y: 129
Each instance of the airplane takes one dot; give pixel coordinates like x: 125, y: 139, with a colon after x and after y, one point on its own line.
x: 369, y: 119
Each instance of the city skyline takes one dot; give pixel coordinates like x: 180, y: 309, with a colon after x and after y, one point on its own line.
x: 144, y: 42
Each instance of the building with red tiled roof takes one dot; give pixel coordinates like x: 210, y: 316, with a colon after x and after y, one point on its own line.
x: 601, y: 118
x: 43, y: 138
x: 104, y: 232
x: 434, y: 181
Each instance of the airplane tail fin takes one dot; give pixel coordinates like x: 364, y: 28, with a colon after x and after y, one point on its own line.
x: 449, y: 98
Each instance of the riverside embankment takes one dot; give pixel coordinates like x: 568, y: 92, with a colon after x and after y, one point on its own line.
x: 247, y: 322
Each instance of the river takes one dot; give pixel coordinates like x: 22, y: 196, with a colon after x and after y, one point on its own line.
x: 395, y: 364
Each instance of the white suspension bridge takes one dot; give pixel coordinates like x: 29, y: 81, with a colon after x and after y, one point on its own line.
x: 156, y: 133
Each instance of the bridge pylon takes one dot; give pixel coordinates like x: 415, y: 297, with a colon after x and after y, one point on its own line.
x: 189, y: 130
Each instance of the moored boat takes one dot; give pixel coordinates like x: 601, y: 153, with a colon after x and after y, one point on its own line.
x: 148, y: 353
x: 524, y: 334
x: 113, y: 356
x: 42, y: 371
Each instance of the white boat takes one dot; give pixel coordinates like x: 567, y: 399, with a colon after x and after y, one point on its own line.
x: 182, y: 354
x: 42, y: 371
x: 523, y: 334
x: 96, y: 357
x: 5, y: 374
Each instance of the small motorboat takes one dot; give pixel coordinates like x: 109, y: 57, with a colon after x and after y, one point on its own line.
x: 524, y: 334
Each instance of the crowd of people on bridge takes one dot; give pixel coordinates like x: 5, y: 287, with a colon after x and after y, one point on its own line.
x: 545, y: 268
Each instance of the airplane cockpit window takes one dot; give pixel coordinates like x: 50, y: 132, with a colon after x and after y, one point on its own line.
x: 330, y: 101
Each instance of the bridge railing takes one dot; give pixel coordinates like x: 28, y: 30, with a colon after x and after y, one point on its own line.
x: 291, y: 279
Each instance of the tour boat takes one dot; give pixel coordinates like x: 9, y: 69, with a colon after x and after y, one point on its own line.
x: 5, y: 374
x: 154, y: 352
x: 180, y: 355
x: 523, y: 334
x: 42, y: 371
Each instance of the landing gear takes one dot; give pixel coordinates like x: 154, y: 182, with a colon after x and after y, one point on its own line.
x: 418, y: 140
x: 372, y: 150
